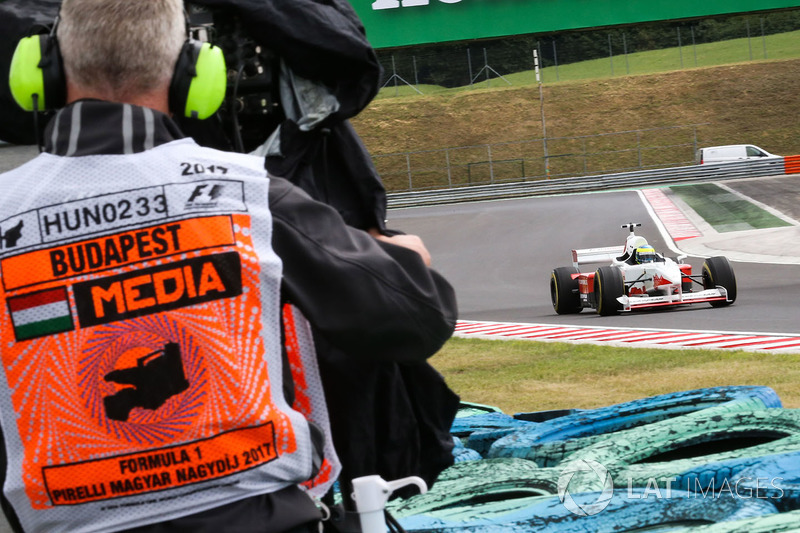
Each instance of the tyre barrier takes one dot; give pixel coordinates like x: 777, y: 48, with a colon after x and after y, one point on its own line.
x: 554, y: 453
x: 480, y: 482
x: 661, y: 451
x: 482, y: 430
x: 467, y: 425
x: 773, y: 477
x: 461, y: 453
x: 482, y: 441
x: 710, y: 445
x: 776, y: 523
x: 544, y: 416
x: 471, y: 408
x: 628, y: 415
x: 599, y: 512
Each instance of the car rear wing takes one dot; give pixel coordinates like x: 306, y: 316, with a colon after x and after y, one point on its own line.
x: 596, y: 255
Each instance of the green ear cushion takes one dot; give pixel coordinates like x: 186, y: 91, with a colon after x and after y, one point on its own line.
x: 25, y: 78
x: 207, y: 88
x: 205, y: 94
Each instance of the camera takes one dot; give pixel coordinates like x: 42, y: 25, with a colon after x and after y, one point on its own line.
x: 252, y: 109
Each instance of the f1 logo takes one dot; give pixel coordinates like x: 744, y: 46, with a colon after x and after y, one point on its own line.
x: 205, y: 193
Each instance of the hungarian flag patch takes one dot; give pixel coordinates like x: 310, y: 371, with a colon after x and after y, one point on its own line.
x: 41, y: 313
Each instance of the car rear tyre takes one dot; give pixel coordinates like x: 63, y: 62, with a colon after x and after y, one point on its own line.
x: 608, y: 286
x: 564, y: 293
x: 718, y: 272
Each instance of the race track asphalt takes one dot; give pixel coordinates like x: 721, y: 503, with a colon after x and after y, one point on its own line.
x: 499, y: 256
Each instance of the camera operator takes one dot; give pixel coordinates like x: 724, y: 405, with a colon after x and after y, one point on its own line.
x: 141, y: 253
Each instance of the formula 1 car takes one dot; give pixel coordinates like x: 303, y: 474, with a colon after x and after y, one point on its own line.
x: 638, y: 278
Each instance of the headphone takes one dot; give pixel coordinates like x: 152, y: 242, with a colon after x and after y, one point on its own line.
x: 37, y: 81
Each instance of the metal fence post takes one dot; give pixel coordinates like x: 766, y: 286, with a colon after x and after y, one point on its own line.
x: 449, y: 173
x: 394, y: 75
x: 625, y: 51
x: 538, y: 55
x: 610, y: 54
x: 469, y: 64
x: 555, y: 58
x: 491, y: 165
x: 486, y: 64
x: 639, y: 147
x: 408, y: 168
x: 585, y: 164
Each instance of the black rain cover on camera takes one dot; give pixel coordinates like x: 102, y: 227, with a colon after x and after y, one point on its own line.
x: 322, y: 40
x: 325, y: 42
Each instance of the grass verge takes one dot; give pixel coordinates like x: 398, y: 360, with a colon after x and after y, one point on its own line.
x: 522, y: 376
x: 729, y: 52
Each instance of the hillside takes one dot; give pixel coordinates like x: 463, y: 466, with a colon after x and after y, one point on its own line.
x: 755, y: 102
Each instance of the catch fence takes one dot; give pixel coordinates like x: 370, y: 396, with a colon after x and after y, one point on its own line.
x: 538, y: 159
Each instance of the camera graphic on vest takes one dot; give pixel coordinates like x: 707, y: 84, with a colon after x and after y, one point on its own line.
x: 157, y: 377
x: 9, y: 238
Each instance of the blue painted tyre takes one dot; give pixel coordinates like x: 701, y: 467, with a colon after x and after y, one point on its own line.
x: 628, y: 415
x: 467, y: 425
x: 597, y: 512
x: 481, y: 430
x: 775, y: 478
x: 461, y: 453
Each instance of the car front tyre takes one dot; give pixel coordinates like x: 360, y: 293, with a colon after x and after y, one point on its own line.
x: 608, y: 286
x: 718, y: 272
x: 564, y: 293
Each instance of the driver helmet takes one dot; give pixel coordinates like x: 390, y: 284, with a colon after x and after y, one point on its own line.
x: 645, y: 254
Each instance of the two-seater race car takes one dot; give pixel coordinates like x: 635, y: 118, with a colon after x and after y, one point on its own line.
x: 638, y: 278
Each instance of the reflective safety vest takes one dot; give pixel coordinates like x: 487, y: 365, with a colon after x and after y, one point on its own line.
x: 309, y: 395
x: 141, y: 349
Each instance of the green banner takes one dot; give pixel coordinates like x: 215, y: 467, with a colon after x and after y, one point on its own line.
x: 394, y: 23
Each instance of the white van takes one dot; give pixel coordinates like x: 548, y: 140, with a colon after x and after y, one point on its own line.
x: 732, y: 152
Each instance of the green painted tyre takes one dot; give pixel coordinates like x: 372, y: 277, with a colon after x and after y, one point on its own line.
x: 472, y: 482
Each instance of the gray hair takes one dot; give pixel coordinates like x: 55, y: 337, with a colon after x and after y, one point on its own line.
x: 121, y: 47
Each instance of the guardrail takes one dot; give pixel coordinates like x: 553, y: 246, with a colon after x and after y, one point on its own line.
x: 636, y: 179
